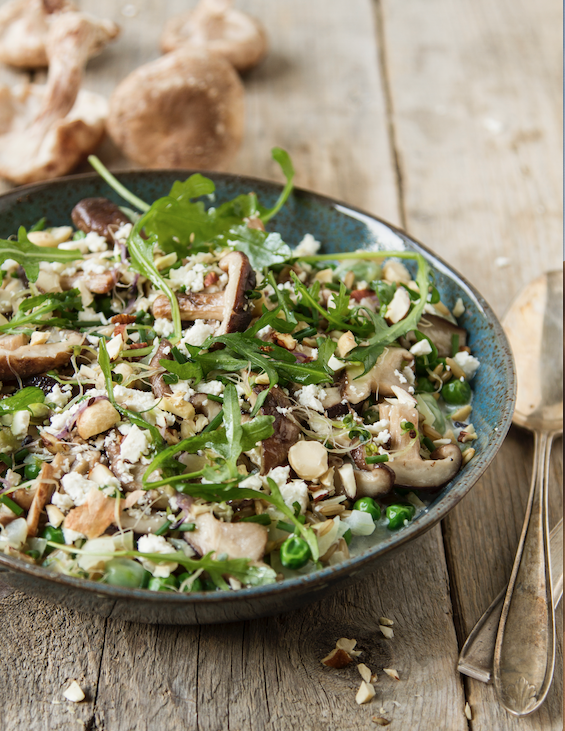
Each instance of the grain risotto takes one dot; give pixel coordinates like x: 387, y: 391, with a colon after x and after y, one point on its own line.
x: 188, y: 404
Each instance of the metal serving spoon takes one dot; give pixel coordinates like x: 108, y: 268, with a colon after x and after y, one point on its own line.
x: 524, y: 654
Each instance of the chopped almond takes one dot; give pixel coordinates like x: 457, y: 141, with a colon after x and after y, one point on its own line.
x: 337, y: 659
x: 387, y: 622
x: 387, y: 631
x: 365, y: 672
x: 348, y: 645
x: 365, y: 693
x: 392, y: 673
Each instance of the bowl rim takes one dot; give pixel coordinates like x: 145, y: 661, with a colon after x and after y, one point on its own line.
x: 320, y: 578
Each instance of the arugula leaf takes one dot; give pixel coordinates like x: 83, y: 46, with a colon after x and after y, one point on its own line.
x: 32, y: 310
x: 262, y: 249
x: 283, y: 158
x: 116, y: 185
x: 283, y: 297
x: 29, y: 256
x: 22, y: 400
x: 339, y: 303
x: 232, y: 421
x: 141, y: 255
x: 186, y: 371
x: 325, y: 351
x: 106, y: 368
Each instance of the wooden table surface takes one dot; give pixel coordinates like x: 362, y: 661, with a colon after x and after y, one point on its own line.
x: 442, y: 116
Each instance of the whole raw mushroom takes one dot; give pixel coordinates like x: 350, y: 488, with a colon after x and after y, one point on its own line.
x: 184, y: 110
x: 220, y: 28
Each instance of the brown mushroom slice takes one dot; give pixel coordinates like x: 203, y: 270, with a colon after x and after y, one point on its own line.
x: 230, y: 306
x: 100, y: 215
x: 158, y: 385
x: 379, y: 379
x: 46, y: 483
x: 183, y: 110
x: 29, y: 360
x: 238, y: 540
x: 24, y: 28
x: 408, y: 466
x: 220, y: 28
x: 95, y: 515
x: 371, y: 480
x: 441, y: 331
x: 46, y: 130
x: 274, y: 450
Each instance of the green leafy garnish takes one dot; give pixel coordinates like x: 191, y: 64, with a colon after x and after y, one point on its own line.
x: 22, y: 400
x: 29, y: 256
x: 33, y: 310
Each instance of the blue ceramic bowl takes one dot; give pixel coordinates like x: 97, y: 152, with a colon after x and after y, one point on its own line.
x: 340, y: 228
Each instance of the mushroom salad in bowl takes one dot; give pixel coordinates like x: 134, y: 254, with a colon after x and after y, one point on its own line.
x: 193, y: 409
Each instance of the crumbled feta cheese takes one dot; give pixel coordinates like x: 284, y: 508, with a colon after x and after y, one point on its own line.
x: 197, y: 334
x: 190, y: 276
x: 459, y: 308
x: 254, y: 482
x: 422, y: 347
x: 59, y: 396
x: 123, y: 232
x: 307, y: 247
x: 62, y: 501
x: 311, y: 396
x: 382, y: 437
x: 20, y: 424
x: 96, y: 265
x: 216, y: 388
x: 77, y: 487
x: 408, y: 373
x: 156, y: 544
x: 295, y: 491
x: 134, y: 445
x: 264, y: 332
x: 94, y: 242
x: 279, y: 475
x: 163, y: 327
x: 71, y: 536
x: 400, y: 376
x: 468, y: 363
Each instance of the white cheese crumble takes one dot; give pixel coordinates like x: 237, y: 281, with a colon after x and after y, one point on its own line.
x: 334, y: 363
x: 279, y: 475
x: 216, y: 388
x: 295, y: 491
x: 468, y: 363
x: 307, y: 247
x: 311, y: 396
x: 422, y: 347
x: 163, y: 327
x: 20, y: 424
x: 382, y: 437
x: 400, y: 376
x: 156, y: 544
x: 190, y: 276
x: 59, y: 396
x: 197, y: 334
x: 77, y: 487
x: 94, y: 242
x: 134, y: 445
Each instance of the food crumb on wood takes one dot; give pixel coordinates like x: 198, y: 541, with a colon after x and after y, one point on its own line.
x: 392, y: 673
x: 387, y: 631
x: 468, y: 712
x: 365, y: 693
x: 348, y: 645
x: 74, y: 693
x: 380, y: 721
x: 365, y: 673
x: 337, y: 658
x: 386, y: 621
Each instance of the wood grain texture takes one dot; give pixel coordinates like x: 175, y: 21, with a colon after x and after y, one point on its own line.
x: 475, y: 90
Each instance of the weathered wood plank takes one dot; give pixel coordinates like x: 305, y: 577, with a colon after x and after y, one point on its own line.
x: 475, y: 91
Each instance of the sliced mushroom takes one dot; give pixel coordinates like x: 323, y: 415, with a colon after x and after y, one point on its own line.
x: 371, y: 480
x: 221, y: 29
x: 274, y: 450
x: 46, y: 483
x: 100, y: 215
x: 24, y: 28
x: 408, y: 466
x: 379, y: 379
x: 158, y: 385
x: 95, y: 515
x: 238, y: 540
x: 45, y: 130
x: 29, y: 360
x: 230, y: 306
x: 440, y: 331
x: 184, y: 110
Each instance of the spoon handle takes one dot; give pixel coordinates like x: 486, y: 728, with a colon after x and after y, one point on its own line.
x: 524, y: 655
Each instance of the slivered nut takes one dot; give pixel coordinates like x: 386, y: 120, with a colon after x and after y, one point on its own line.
x: 365, y: 672
x: 468, y: 712
x: 468, y: 455
x: 74, y: 693
x: 349, y: 279
x: 329, y: 510
x: 380, y: 721
x: 323, y: 528
x: 387, y: 631
x: 337, y: 658
x: 430, y: 432
x: 462, y: 413
x: 384, y: 620
x: 345, y: 344
x: 262, y: 379
x: 348, y: 645
x: 456, y: 369
x: 392, y: 673
x: 365, y: 693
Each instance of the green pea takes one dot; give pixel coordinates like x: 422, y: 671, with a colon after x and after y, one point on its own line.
x: 347, y: 536
x: 55, y: 535
x: 196, y: 585
x: 295, y: 553
x: 156, y: 583
x: 456, y: 393
x: 124, y: 572
x: 368, y: 505
x: 31, y: 471
x: 398, y: 514
x: 424, y: 385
